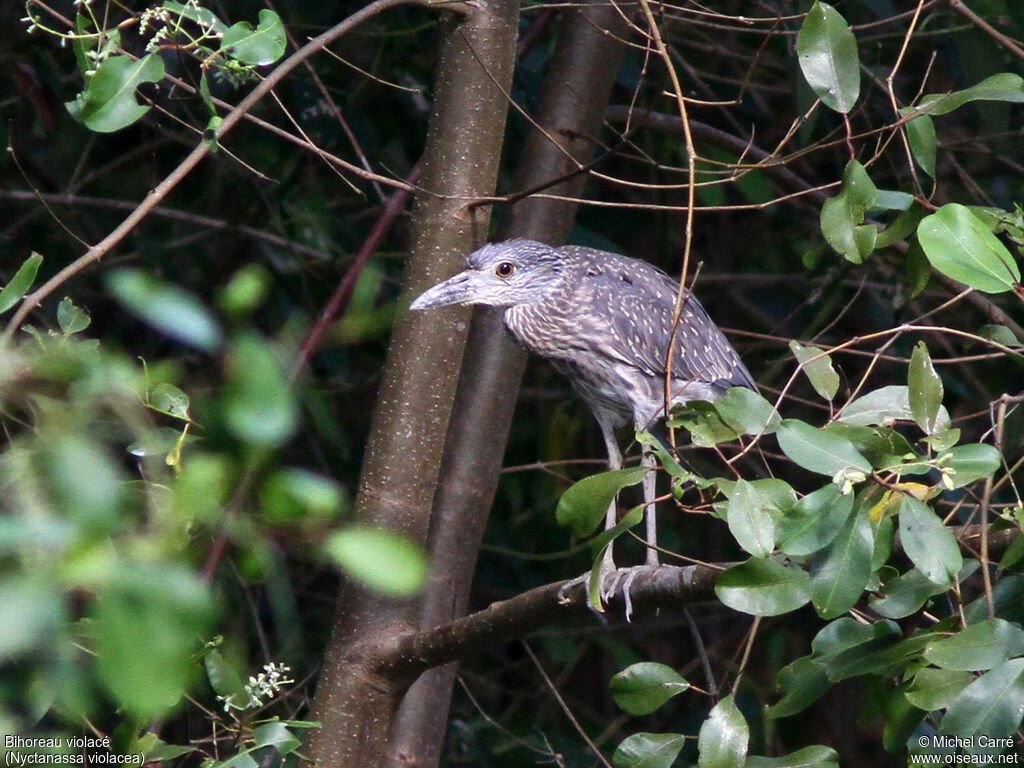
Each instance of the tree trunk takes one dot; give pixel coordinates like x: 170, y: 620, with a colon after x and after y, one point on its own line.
x: 354, y: 701
x: 580, y: 79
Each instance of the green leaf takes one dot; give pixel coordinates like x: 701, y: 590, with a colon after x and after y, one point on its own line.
x: 817, y: 366
x: 977, y: 647
x: 838, y: 580
x: 763, y: 587
x: 923, y: 141
x: 293, y: 495
x: 924, y: 391
x: 929, y: 544
x: 197, y: 13
x: 648, y: 750
x: 71, y: 318
x: 16, y: 289
x: 934, y: 689
x: 842, y: 216
x: 145, y: 629
x: 886, y: 406
x: 701, y: 420
x: 802, y: 682
x: 747, y: 412
x: 814, y: 521
x: 277, y: 735
x: 905, y: 595
x: 892, y: 200
x: 846, y: 648
x: 1004, y: 86
x: 224, y: 680
x: 966, y: 463
x: 641, y: 688
x: 166, y: 307
x: 583, y: 506
x: 815, y: 756
x: 108, y: 102
x: 259, y: 406
x: 819, y: 451
x: 385, y: 561
x: 960, y: 245
x: 828, y: 57
x: 167, y: 398
x: 30, y: 609
x: 751, y: 517
x: 256, y: 47
x: 723, y: 738
x: 991, y: 706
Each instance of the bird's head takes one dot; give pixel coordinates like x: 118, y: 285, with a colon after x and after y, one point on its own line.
x: 499, y: 275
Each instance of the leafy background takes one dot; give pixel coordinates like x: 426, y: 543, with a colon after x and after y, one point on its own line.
x: 175, y: 511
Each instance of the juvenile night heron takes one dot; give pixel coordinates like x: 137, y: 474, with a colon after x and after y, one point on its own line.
x: 605, y: 321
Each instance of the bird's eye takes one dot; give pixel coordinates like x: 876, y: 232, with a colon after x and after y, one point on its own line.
x: 505, y: 269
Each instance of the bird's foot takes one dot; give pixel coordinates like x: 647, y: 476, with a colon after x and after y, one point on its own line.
x: 610, y: 581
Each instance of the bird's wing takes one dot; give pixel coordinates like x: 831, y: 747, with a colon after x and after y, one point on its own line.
x: 626, y: 315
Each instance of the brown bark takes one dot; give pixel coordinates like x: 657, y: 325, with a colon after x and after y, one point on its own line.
x: 581, y: 76
x: 356, y: 699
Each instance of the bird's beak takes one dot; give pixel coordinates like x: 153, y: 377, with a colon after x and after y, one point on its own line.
x: 459, y: 289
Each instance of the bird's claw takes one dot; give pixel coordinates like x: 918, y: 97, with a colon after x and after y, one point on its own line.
x: 611, y: 581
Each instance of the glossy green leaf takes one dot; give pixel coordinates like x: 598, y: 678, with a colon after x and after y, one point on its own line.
x: 1004, y: 86
x: 166, y: 307
x: 838, y: 579
x: 641, y: 688
x: 167, y: 398
x: 256, y: 47
x: 201, y: 15
x: 991, y: 706
x: 977, y: 647
x: 965, y: 464
x: 108, y: 102
x: 815, y: 756
x: 846, y: 648
x: 584, y: 504
x: 276, y: 734
x: 959, y: 245
x: 929, y: 544
x: 905, y: 595
x: 751, y: 517
x: 723, y: 738
x: 19, y: 285
x: 827, y: 52
x: 225, y: 680
x: 385, y: 561
x: 934, y: 689
x: 259, y: 406
x: 648, y: 750
x: 885, y: 406
x: 706, y: 427
x: 817, y: 366
x: 923, y: 141
x: 802, y: 683
x: 842, y: 217
x: 814, y: 521
x: 747, y: 412
x: 763, y: 587
x: 819, y: 451
x: 924, y: 390
x: 71, y: 318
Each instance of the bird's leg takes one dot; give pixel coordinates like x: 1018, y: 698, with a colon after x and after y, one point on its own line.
x: 611, y: 517
x: 650, y: 479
